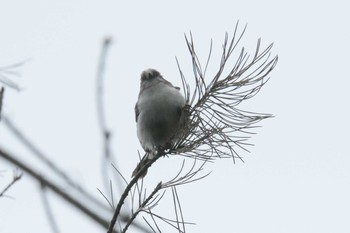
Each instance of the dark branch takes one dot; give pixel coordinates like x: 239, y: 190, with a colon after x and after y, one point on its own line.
x: 92, y: 213
x: 37, y: 152
x: 125, y: 194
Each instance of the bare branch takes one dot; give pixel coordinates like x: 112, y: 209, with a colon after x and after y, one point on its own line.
x: 100, y: 91
x: 90, y: 211
x: 48, y: 211
x: 2, y: 90
x: 7, y: 72
x: 37, y: 152
x: 106, y: 133
x: 16, y: 177
x: 125, y: 194
x: 142, y: 206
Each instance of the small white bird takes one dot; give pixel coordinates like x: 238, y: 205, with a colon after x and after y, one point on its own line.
x: 158, y: 113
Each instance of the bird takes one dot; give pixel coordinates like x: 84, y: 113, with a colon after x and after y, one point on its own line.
x: 158, y: 115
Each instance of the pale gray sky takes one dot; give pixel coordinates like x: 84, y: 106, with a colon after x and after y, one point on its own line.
x: 296, y: 178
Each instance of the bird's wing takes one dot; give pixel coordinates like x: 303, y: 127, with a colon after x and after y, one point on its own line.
x: 137, y: 112
x: 166, y: 82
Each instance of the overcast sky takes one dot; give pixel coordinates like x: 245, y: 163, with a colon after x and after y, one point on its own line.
x: 296, y: 178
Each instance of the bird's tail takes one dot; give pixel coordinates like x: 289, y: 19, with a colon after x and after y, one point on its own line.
x: 140, y: 167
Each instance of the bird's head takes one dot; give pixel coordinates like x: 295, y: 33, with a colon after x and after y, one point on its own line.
x: 149, y: 75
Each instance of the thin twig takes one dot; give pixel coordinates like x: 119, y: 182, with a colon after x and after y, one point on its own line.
x: 101, y: 112
x: 168, y: 221
x: 110, y: 203
x: 100, y: 91
x: 16, y: 177
x: 48, y: 211
x: 154, y: 231
x: 9, y: 70
x: 124, y: 195
x: 142, y: 206
x: 2, y: 90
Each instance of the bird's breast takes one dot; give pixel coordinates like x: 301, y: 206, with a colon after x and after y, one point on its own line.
x: 160, y: 112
